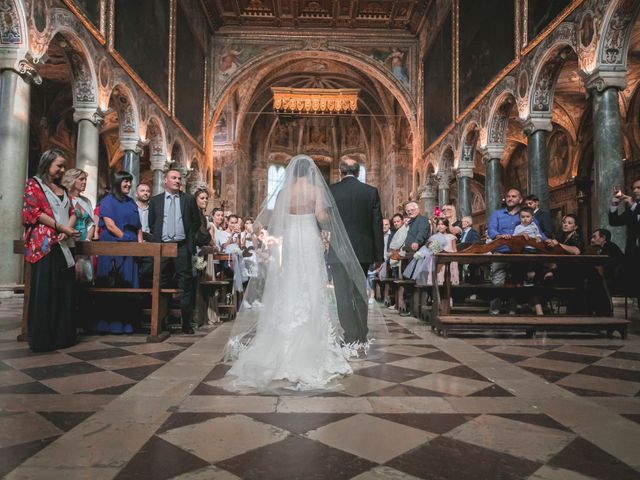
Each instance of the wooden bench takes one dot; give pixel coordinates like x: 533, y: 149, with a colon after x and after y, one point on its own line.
x: 216, y: 288
x: 445, y: 318
x: 128, y: 249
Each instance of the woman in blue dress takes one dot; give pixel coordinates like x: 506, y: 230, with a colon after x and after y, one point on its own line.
x: 120, y: 222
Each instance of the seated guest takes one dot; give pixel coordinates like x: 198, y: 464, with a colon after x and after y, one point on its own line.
x: 418, y: 228
x: 502, y: 224
x: 394, y: 241
x: 613, y: 269
x: 625, y: 211
x: 119, y: 222
x: 542, y: 218
x: 49, y: 218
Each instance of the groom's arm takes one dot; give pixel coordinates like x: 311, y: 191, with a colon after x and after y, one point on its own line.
x: 376, y: 223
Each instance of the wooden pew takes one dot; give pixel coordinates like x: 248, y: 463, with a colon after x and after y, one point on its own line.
x: 445, y: 320
x: 129, y: 249
x: 207, y: 288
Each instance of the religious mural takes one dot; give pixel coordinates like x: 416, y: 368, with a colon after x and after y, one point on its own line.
x: 395, y: 59
x: 10, y: 30
x: 487, y: 33
x: 351, y: 137
x: 147, y: 54
x: 438, y: 83
x: 542, y: 13
x: 559, y: 164
x: 515, y: 175
x: 189, y: 89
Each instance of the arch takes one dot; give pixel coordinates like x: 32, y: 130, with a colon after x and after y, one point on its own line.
x: 548, y: 64
x: 80, y: 54
x: 498, y: 119
x: 469, y: 137
x: 157, y: 140
x: 14, y: 34
x: 178, y: 152
x: 613, y: 44
x: 275, y: 59
x: 128, y: 114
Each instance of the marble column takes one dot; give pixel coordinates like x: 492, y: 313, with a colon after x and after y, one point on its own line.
x: 131, y: 162
x: 444, y: 178
x: 15, y: 92
x: 464, y: 175
x: 537, y: 159
x: 428, y: 195
x: 493, y: 179
x: 88, y: 148
x: 158, y: 163
x: 607, y: 151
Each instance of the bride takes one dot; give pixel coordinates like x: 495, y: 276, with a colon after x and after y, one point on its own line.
x: 295, y: 338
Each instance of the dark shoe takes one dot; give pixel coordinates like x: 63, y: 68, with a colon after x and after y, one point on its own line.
x: 187, y: 329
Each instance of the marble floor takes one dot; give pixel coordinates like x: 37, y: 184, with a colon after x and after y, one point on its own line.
x: 421, y: 406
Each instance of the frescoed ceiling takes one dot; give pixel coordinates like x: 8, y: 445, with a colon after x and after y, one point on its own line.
x: 377, y: 14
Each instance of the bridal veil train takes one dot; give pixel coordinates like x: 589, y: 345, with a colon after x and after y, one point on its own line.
x: 295, y: 337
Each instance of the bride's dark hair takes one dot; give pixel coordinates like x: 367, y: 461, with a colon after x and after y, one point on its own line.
x: 301, y: 168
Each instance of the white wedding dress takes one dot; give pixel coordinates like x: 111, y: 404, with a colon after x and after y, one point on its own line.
x: 296, y: 337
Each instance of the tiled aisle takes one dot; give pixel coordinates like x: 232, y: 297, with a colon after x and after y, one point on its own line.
x: 419, y: 407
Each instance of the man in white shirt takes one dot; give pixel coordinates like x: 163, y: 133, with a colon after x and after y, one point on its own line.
x: 143, y: 194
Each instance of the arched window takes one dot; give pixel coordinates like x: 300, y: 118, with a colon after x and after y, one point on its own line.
x: 275, y: 177
x: 362, y: 176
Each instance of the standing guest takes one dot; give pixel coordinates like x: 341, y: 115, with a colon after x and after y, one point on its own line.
x: 143, y: 194
x: 613, y: 269
x: 145, y: 264
x: 203, y: 235
x: 386, y: 232
x: 49, y: 218
x: 119, y: 222
x: 174, y: 218
x: 542, y: 218
x: 219, y: 234
x: 455, y: 225
x: 418, y: 228
x: 75, y: 181
x: 469, y: 234
x: 629, y: 216
x: 502, y: 224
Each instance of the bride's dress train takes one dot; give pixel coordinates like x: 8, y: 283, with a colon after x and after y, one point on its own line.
x: 296, y: 337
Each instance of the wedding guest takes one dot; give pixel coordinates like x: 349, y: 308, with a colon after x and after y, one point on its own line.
x: 49, y: 217
x: 396, y: 242
x: 174, y: 218
x: 219, y: 229
x: 455, y: 225
x: 75, y: 181
x: 542, y: 218
x: 421, y: 266
x: 203, y: 235
x: 613, y: 269
x: 418, y: 227
x: 625, y: 211
x: 143, y: 194
x: 469, y: 234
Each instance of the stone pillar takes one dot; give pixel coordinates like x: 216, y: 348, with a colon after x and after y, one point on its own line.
x: 428, y: 194
x: 444, y: 178
x: 15, y: 92
x: 131, y: 162
x: 493, y: 178
x: 158, y: 163
x: 464, y: 175
x: 537, y: 159
x: 88, y: 148
x: 607, y: 146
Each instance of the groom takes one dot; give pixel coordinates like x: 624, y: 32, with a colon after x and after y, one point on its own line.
x: 359, y: 207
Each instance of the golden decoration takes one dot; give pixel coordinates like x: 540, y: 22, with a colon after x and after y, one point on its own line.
x: 315, y: 100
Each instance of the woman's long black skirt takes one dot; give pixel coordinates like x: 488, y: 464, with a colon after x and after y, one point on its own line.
x: 51, y: 310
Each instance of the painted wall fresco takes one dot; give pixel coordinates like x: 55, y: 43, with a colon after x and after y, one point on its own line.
x: 438, y: 83
x: 396, y: 59
x: 189, y: 76
x: 487, y: 33
x: 147, y: 54
x: 542, y: 13
x: 91, y: 8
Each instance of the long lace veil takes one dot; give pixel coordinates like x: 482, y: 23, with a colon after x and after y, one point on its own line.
x: 301, y: 191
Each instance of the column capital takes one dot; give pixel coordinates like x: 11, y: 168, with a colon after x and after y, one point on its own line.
x: 444, y: 179
x: 491, y: 151
x: 133, y: 144
x: 430, y: 188
x: 599, y: 80
x: 533, y: 124
x: 158, y: 162
x: 92, y: 115
x: 465, y: 170
x: 25, y: 69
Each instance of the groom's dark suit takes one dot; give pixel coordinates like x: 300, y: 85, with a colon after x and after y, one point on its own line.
x: 359, y: 208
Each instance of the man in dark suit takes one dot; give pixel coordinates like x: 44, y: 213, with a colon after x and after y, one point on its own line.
x: 174, y: 218
x: 469, y: 234
x: 629, y: 215
x: 542, y: 218
x: 613, y: 268
x: 418, y: 228
x: 359, y: 208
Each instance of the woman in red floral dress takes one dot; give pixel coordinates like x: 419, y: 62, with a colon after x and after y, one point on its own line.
x: 48, y: 217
